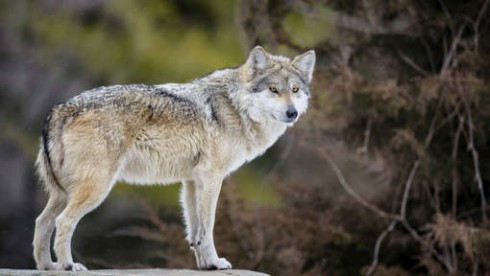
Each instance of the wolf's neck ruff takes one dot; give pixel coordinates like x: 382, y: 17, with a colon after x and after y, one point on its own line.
x: 196, y: 133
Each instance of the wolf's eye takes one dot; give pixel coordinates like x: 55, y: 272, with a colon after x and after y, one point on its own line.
x: 295, y: 89
x: 273, y: 89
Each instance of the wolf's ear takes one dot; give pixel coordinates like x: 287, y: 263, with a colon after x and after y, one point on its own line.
x: 258, y: 59
x: 305, y: 64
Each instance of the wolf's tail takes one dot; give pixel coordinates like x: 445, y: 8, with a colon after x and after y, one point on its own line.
x: 44, y: 161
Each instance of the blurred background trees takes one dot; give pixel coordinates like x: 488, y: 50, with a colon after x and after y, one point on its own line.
x: 387, y: 173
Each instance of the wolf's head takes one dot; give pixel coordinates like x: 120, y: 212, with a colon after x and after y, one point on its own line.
x: 277, y: 87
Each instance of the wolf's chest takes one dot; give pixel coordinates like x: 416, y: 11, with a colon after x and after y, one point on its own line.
x: 253, y: 146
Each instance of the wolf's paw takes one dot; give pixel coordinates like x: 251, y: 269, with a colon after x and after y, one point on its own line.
x: 48, y: 266
x: 74, y: 267
x: 219, y: 263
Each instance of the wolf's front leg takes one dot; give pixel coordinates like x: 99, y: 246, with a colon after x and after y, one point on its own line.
x: 188, y: 202
x: 206, y: 197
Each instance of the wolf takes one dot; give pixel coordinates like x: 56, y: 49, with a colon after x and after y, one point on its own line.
x: 195, y: 133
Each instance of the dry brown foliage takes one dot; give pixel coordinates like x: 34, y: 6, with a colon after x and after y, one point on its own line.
x: 408, y: 82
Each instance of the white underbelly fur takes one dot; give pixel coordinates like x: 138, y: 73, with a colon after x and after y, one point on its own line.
x: 152, y: 167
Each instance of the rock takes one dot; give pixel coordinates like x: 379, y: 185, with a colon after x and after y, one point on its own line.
x: 132, y: 272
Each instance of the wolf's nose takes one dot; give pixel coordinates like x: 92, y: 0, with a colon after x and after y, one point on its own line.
x: 292, y: 113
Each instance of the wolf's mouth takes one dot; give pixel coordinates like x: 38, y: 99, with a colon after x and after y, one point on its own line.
x: 284, y: 119
x: 289, y: 120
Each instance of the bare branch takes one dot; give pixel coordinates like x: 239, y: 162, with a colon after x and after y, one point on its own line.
x: 454, y: 255
x: 343, y: 182
x: 377, y: 246
x: 480, y: 15
x: 430, y: 55
x: 416, y: 164
x: 367, y: 135
x: 476, y: 163
x: 448, y: 15
x: 408, y: 186
x: 452, y: 51
x: 412, y: 64
x: 454, y: 171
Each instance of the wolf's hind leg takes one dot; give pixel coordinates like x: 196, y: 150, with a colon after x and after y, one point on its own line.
x: 45, y: 224
x: 84, y: 198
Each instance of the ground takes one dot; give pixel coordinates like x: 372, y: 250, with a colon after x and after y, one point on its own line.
x: 133, y: 272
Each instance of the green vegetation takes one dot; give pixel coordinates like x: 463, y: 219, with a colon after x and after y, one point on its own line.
x: 142, y: 41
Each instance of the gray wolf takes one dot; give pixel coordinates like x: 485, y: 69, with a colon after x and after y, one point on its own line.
x: 196, y: 133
